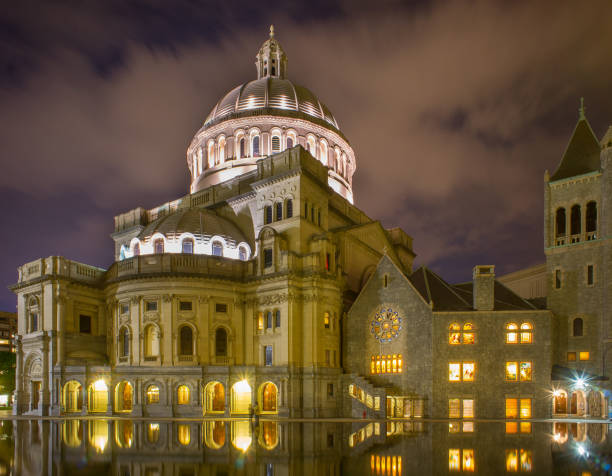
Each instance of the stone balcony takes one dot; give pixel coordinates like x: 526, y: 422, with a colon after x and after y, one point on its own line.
x: 59, y: 266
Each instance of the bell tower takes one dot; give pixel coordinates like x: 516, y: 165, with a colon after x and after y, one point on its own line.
x: 575, y: 244
x: 271, y: 59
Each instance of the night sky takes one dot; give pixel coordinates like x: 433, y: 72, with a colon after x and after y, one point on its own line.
x: 454, y: 110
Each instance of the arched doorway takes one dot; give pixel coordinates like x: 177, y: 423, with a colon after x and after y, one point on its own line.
x: 97, y: 397
x: 214, y: 398
x: 595, y: 401
x: 241, y: 397
x: 73, y: 397
x: 124, y: 396
x: 268, y: 398
x: 560, y: 402
x: 578, y: 403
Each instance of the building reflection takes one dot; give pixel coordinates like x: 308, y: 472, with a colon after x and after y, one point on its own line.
x: 225, y: 447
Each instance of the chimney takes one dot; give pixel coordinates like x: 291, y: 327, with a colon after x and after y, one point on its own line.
x: 484, y: 280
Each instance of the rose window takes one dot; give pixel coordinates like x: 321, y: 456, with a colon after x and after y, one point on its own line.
x: 386, y: 325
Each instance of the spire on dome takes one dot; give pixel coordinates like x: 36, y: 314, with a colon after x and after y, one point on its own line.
x: 581, y: 110
x: 271, y: 60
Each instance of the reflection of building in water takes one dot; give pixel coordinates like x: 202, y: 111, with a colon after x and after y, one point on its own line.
x: 265, y: 287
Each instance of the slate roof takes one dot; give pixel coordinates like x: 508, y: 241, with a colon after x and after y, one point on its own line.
x: 582, y: 153
x: 459, y: 297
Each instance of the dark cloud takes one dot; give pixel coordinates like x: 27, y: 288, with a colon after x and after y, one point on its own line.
x: 454, y: 109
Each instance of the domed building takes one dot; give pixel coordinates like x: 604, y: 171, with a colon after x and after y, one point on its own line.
x: 266, y: 289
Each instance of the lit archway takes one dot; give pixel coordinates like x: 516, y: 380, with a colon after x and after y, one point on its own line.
x: 268, y: 436
x: 97, y: 397
x: 124, y: 397
x: 241, y: 435
x: 560, y: 402
x: 72, y: 433
x: 268, y: 398
x: 241, y: 397
x: 124, y: 433
x: 214, y: 434
x: 214, y: 398
x: 98, y: 434
x: 73, y: 397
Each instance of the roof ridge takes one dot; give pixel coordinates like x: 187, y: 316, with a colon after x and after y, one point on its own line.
x: 449, y: 287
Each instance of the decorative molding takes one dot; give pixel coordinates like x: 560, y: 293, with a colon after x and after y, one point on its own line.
x: 168, y: 297
x: 135, y: 299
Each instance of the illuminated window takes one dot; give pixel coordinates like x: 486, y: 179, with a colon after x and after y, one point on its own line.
x: 454, y: 408
x: 153, y: 432
x: 511, y: 426
x: 183, y: 395
x: 571, y: 356
x: 526, y: 460
x: 454, y: 335
x: 525, y: 408
x: 152, y: 394
x: 512, y: 461
x: 583, y: 355
x: 525, y: 372
x: 525, y: 427
x: 326, y: 320
x: 454, y: 372
x: 454, y: 460
x: 461, y: 460
x: 526, y: 333
x: 242, y: 253
x: 386, y: 364
x: 467, y: 427
x: 158, y: 246
x: 184, y: 434
x: 260, y: 321
x: 511, y: 408
x: 468, y: 371
x: 511, y: 333
x: 468, y: 408
x: 458, y: 372
x: 217, y: 248
x: 511, y: 371
x: 469, y: 337
x: 187, y: 246
x: 276, y: 144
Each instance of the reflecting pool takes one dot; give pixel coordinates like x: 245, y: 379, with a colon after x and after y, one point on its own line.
x: 267, y: 447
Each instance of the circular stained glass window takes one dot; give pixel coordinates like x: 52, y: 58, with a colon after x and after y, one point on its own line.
x: 386, y: 325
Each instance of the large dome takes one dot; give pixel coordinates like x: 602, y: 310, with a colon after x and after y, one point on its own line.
x: 274, y: 96
x: 264, y: 117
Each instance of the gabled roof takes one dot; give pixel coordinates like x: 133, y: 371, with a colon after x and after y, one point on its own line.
x: 582, y: 153
x: 460, y: 297
x: 434, y: 289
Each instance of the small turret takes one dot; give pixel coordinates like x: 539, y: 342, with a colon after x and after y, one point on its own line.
x: 271, y: 59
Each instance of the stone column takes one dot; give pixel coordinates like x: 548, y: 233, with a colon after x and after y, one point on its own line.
x: 44, y: 398
x: 18, y: 393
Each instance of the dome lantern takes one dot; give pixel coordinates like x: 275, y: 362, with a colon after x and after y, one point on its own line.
x: 271, y: 59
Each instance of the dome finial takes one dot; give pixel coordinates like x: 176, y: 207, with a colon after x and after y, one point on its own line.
x: 581, y: 110
x: 271, y: 59
x: 271, y: 31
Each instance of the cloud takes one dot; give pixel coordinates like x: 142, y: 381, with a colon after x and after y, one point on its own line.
x: 454, y: 109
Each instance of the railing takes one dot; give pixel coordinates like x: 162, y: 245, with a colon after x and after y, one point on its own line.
x: 575, y: 238
x: 185, y: 358
x: 150, y: 358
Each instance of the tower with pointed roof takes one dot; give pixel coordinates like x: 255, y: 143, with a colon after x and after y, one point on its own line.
x: 577, y: 228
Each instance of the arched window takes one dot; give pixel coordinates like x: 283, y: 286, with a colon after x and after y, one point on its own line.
x: 323, y: 152
x: 336, y: 164
x: 268, y: 214
x: 186, y: 341
x: 152, y: 394
x: 578, y: 327
x: 269, y: 394
x: 221, y: 342
x: 124, y: 342
x: 289, y: 142
x: 242, y: 253
x: 279, y: 211
x: 526, y: 333
x: 222, y: 150
x: 136, y: 249
x: 289, y: 208
x: 187, y: 246
x: 217, y: 248
x: 242, y: 148
x: 182, y: 393
x: 211, y: 154
x: 454, y: 334
x: 269, y: 320
x: 276, y: 144
x: 255, y: 146
x: 151, y: 346
x: 575, y: 220
x: 33, y: 313
x: 560, y: 222
x: 326, y: 320
x: 591, y: 217
x: 511, y: 333
x: 311, y: 146
x: 277, y: 318
x: 158, y: 246
x: 469, y: 335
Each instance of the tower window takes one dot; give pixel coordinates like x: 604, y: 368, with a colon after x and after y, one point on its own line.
x: 560, y: 222
x: 268, y: 214
x: 289, y: 208
x: 221, y: 342
x: 289, y: 142
x: 279, y: 211
x: 256, y: 146
x: 268, y: 258
x: 269, y: 320
x: 217, y: 248
x: 158, y: 246
x: 187, y: 247
x: 275, y: 142
x: 557, y: 279
x: 575, y: 220
x: 268, y: 355
x: 590, y: 275
x: 578, y: 327
x: 277, y: 319
x: 242, y: 148
x: 591, y: 217
x: 242, y: 253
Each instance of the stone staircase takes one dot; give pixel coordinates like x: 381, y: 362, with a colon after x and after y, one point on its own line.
x: 361, y: 397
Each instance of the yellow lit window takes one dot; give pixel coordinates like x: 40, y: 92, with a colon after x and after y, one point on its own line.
x: 260, y: 321
x: 511, y: 408
x: 511, y: 333
x: 525, y: 408
x: 183, y: 395
x: 184, y: 434
x: 512, y: 461
x: 386, y: 364
x: 511, y: 427
x: 454, y: 427
x: 468, y: 426
x: 525, y: 372
x: 526, y: 460
x: 454, y: 408
x: 454, y: 334
x: 468, y: 408
x: 454, y: 459
x: 153, y: 394
x: 468, y: 333
x: 454, y: 372
x: 468, y: 461
x: 326, y: 320
x: 584, y: 356
x: 153, y: 432
x: 511, y: 371
x: 468, y: 371
x: 373, y: 365
x: 526, y: 333
x: 525, y: 427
